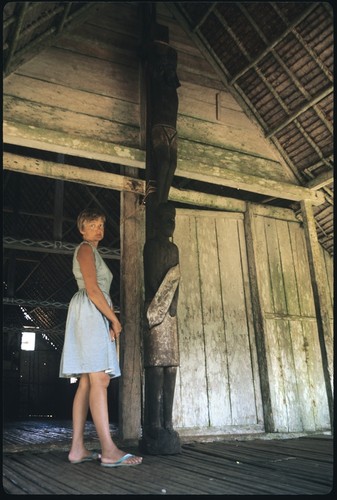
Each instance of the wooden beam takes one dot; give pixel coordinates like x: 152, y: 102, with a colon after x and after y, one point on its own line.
x: 207, y: 200
x: 191, y: 168
x: 70, y: 173
x: 322, y: 312
x: 32, y: 166
x: 320, y: 181
x: 247, y: 182
x: 58, y: 142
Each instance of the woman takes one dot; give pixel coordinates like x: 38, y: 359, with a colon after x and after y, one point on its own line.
x: 89, y: 351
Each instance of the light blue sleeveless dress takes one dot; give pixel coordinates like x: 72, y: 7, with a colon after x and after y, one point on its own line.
x: 87, y: 343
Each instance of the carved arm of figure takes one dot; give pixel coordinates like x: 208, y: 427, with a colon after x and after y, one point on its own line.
x: 162, y: 300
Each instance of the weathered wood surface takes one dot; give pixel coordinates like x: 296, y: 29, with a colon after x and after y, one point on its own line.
x: 319, y: 286
x: 216, y: 329
x: 296, y: 381
x: 81, y: 96
x: 218, y: 375
x: 70, y: 173
x: 302, y: 465
x: 41, y: 138
x: 132, y: 242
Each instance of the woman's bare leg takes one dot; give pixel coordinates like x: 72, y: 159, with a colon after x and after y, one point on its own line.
x: 98, y: 402
x: 80, y: 413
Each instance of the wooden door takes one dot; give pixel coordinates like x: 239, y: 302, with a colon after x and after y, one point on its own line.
x: 294, y: 363
x: 218, y: 388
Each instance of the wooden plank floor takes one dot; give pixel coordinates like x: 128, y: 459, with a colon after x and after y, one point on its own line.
x: 35, y: 463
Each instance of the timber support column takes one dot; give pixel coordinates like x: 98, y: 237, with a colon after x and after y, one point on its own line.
x: 252, y: 253
x: 322, y: 314
x: 160, y: 254
x: 130, y: 388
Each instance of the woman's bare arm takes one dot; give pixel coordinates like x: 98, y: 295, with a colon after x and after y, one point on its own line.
x: 86, y: 259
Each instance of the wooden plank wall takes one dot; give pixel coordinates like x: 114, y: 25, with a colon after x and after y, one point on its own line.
x: 81, y: 96
x: 218, y: 387
x: 294, y: 365
x: 212, y: 128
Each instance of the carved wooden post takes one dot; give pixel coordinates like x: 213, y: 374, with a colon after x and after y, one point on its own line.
x: 161, y: 255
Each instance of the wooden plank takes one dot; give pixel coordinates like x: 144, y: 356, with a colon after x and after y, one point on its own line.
x: 191, y: 391
x: 223, y: 158
x: 85, y: 147
x: 275, y: 373
x: 275, y: 212
x: 83, y: 73
x: 259, y: 296
x: 305, y: 382
x: 329, y: 280
x: 206, y: 200
x: 117, y: 17
x: 70, y: 173
x: 288, y: 269
x: 101, y: 43
x: 242, y: 397
x: 217, y: 175
x: 206, y: 98
x: 223, y: 135
x: 78, y: 101
x: 319, y: 398
x: 285, y: 357
x: 275, y: 267
x: 301, y: 266
x: 250, y: 321
x: 218, y: 390
x: 68, y: 122
x: 207, y: 80
x: 263, y: 270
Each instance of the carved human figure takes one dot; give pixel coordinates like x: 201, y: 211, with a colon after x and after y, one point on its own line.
x: 163, y: 115
x: 161, y: 354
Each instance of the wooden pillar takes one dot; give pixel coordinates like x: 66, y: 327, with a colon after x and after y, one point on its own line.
x: 132, y: 242
x: 252, y: 256
x: 321, y: 306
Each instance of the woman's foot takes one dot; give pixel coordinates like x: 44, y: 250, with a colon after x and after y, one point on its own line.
x: 121, y: 459
x: 82, y: 456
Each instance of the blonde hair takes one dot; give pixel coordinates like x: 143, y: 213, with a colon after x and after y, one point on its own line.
x: 88, y: 215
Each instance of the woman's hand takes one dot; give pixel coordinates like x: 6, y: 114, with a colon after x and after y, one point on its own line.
x: 115, y: 329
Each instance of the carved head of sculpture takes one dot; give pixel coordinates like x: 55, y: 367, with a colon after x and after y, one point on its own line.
x: 165, y: 219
